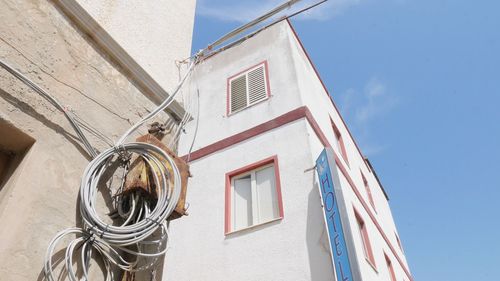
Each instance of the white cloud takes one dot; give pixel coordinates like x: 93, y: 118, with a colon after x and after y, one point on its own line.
x: 370, y: 148
x: 376, y: 101
x: 244, y: 11
x: 362, y: 107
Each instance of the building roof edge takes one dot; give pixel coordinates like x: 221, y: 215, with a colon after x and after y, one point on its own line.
x: 145, y: 82
x: 333, y: 103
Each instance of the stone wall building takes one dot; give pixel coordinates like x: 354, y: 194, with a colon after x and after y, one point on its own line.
x: 110, y: 62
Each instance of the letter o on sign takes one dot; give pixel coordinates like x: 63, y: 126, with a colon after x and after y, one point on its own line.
x: 329, y: 198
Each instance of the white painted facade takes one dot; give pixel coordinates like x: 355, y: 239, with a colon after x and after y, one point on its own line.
x: 294, y: 247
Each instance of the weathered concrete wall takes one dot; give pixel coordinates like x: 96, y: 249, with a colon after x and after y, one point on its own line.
x: 40, y: 198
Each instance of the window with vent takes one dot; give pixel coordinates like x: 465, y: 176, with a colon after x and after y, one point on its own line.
x: 392, y: 275
x: 365, y: 239
x: 368, y: 191
x: 253, y: 195
x: 248, y: 88
x: 339, y: 142
x: 399, y: 242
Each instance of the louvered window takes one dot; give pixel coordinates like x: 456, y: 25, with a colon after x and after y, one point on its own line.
x: 247, y: 88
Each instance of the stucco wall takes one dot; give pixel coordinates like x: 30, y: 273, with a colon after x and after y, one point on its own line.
x: 210, y: 77
x: 294, y: 248
x: 314, y: 96
x: 293, y: 83
x: 317, y: 100
x: 40, y: 198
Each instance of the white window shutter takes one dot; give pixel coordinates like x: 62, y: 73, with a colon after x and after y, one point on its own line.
x: 242, y: 203
x: 267, y: 195
x: 239, y: 93
x: 256, y: 85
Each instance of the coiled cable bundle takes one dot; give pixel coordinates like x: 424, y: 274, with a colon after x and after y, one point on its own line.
x: 135, y: 238
x: 109, y: 240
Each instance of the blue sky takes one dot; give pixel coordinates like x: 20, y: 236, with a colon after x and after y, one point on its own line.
x: 418, y: 84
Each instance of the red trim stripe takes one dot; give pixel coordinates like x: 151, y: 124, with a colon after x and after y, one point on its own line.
x: 322, y: 84
x: 357, y: 147
x: 250, y: 133
x: 370, y: 214
x: 301, y: 112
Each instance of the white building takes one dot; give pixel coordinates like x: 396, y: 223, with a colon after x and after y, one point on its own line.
x: 264, y: 118
x: 255, y: 207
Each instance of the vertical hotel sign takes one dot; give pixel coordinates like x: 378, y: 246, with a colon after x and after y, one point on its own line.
x: 333, y: 221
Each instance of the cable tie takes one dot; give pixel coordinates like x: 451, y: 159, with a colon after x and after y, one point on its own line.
x: 124, y: 155
x: 91, y: 229
x: 155, y: 221
x: 90, y: 237
x: 104, y: 231
x: 118, y: 148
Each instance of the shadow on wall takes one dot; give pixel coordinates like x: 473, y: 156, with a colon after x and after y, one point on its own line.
x: 14, y: 146
x: 104, y: 206
x: 58, y: 262
x: 317, y: 241
x: 108, y: 56
x: 28, y: 109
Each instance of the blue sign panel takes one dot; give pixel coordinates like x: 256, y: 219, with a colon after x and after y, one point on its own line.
x: 336, y: 237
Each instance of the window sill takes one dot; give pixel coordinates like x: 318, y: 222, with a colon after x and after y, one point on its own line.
x: 371, y: 264
x: 252, y: 226
x: 243, y: 109
x: 339, y: 155
x: 344, y: 158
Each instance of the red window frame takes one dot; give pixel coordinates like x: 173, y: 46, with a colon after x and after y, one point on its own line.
x: 368, y: 191
x: 399, y: 242
x: 228, y: 86
x: 390, y: 267
x: 340, y: 141
x: 366, y: 163
x: 365, y: 239
x: 227, y: 208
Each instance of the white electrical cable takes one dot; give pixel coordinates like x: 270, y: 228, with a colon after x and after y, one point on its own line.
x: 54, y: 102
x: 160, y: 108
x: 129, y: 234
x: 196, y: 125
x: 107, y: 240
x: 142, y: 221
